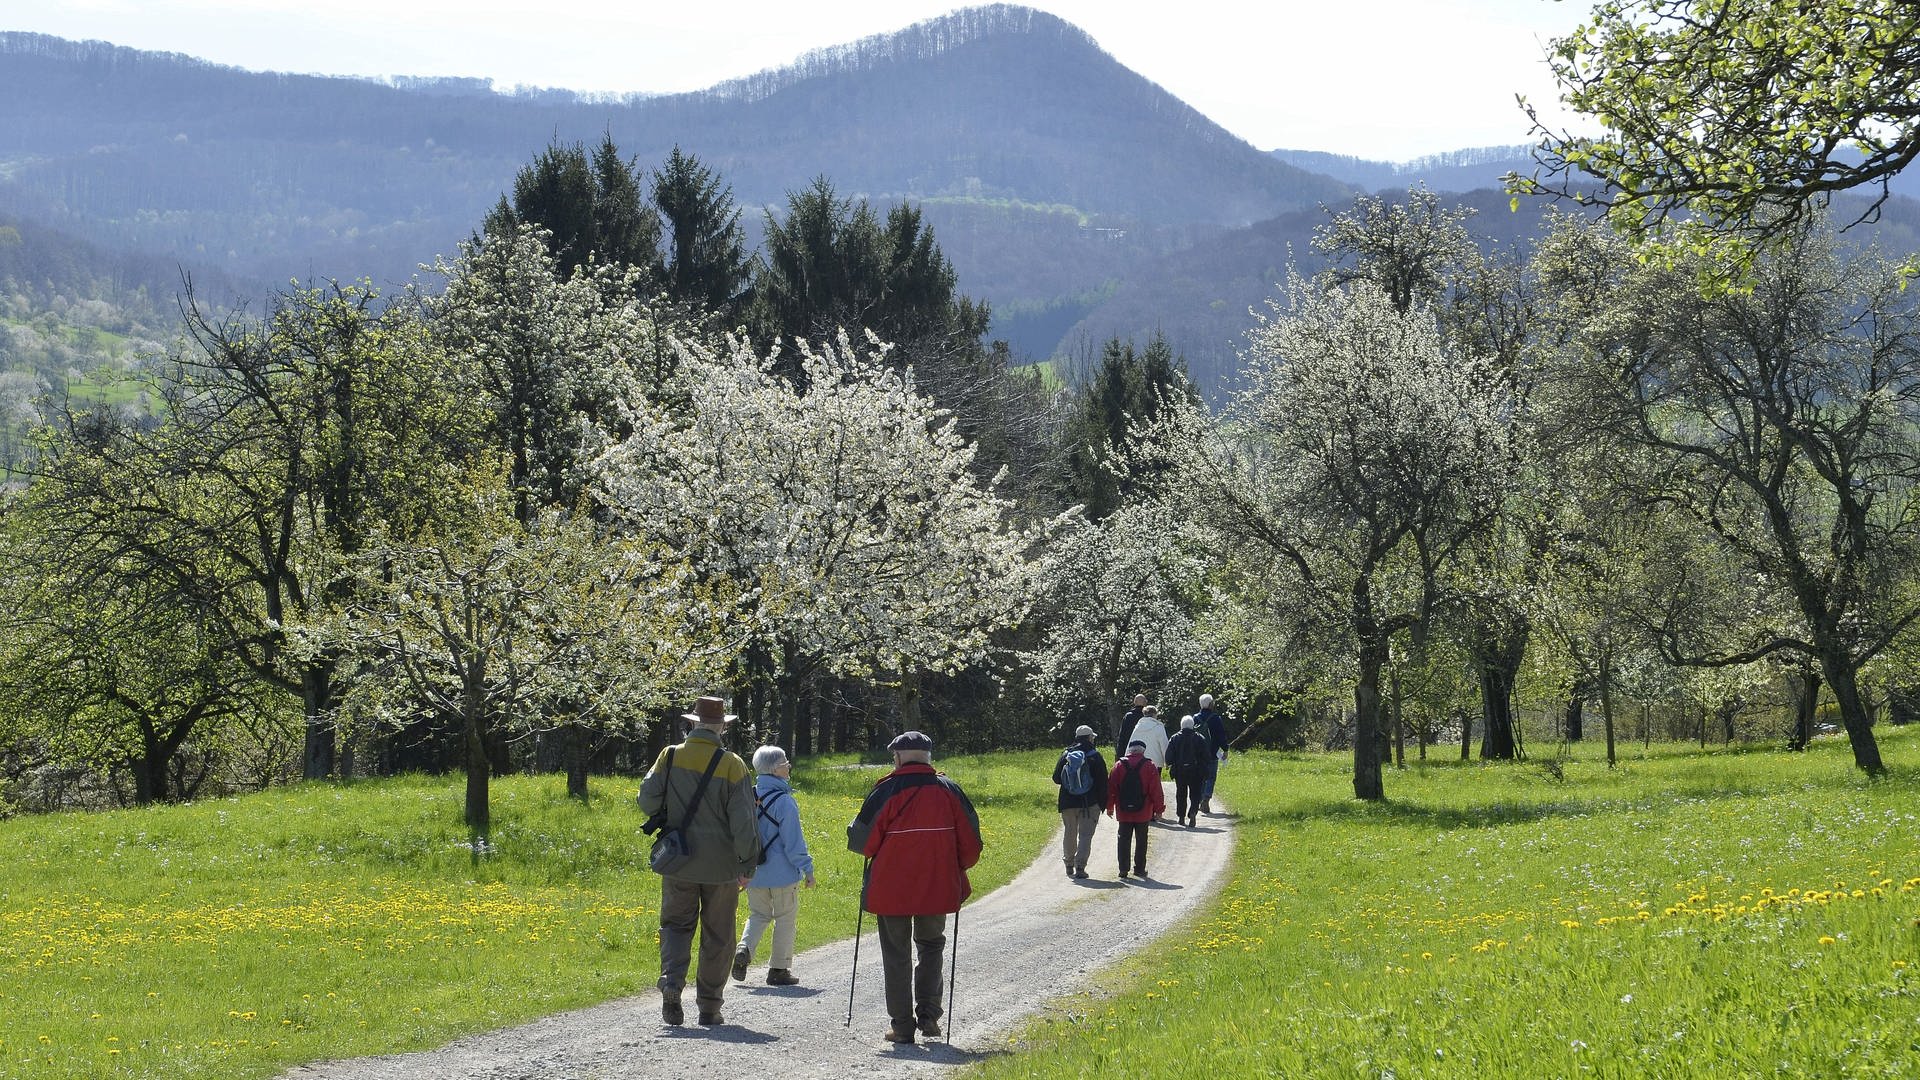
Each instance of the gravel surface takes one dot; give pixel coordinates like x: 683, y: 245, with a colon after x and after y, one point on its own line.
x: 1020, y: 946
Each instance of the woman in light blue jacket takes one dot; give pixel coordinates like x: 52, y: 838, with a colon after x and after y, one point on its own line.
x: 773, y: 896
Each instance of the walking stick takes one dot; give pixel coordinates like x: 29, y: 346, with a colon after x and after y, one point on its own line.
x: 953, y: 970
x: 859, y: 913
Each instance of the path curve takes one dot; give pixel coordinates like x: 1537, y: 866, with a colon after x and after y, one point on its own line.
x: 1022, y: 945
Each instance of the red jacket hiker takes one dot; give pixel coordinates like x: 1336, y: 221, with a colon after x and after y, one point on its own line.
x: 1156, y: 803
x: 922, y: 834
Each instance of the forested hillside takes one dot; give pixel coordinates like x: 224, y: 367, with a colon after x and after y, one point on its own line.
x: 1046, y: 167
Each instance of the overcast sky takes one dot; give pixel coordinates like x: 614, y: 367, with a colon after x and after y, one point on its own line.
x: 1383, y: 79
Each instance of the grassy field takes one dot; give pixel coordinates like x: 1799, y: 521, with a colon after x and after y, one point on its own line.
x: 236, y: 937
x: 1732, y: 914
x: 1685, y: 915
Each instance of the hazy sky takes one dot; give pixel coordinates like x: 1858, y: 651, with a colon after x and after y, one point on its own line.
x: 1386, y: 79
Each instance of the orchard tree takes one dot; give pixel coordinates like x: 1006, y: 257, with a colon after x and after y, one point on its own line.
x: 115, y: 672
x: 1360, y: 459
x: 1783, y: 421
x: 1733, y: 114
x: 284, y: 442
x: 846, y: 516
x: 1116, y: 605
x: 505, y: 627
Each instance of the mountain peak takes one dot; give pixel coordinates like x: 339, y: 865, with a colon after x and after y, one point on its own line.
x: 919, y: 42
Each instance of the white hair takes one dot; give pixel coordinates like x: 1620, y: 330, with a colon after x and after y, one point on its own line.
x: 768, y: 758
x: 1206, y: 701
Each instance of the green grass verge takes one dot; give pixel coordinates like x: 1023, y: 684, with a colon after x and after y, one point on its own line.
x: 1684, y: 915
x: 237, y: 937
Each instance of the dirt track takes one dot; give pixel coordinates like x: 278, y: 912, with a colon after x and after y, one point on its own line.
x: 1016, y: 944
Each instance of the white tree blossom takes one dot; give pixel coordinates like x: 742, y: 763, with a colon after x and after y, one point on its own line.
x: 1117, y: 600
x: 845, y: 515
x: 1361, y: 457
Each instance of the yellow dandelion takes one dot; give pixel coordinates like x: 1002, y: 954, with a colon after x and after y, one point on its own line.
x: 1826, y: 939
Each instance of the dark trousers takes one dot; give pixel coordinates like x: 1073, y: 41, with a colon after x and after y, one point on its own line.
x: 912, y: 988
x: 1134, y: 832
x: 1213, y: 773
x: 683, y: 906
x: 1186, y: 797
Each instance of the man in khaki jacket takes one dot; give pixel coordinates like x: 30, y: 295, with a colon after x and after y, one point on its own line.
x: 725, y: 846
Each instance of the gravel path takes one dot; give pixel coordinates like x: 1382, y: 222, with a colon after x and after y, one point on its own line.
x: 1016, y: 944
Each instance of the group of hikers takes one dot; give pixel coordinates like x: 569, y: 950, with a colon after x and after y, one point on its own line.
x: 1131, y: 792
x: 916, y: 828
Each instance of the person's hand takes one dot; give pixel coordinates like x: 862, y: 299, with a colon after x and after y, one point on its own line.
x: 743, y: 881
x: 810, y: 881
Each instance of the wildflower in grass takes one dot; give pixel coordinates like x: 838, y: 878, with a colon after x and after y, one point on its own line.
x: 1826, y: 940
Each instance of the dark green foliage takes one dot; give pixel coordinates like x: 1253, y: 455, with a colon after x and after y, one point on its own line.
x: 706, y: 264
x: 1114, y: 396
x: 591, y: 208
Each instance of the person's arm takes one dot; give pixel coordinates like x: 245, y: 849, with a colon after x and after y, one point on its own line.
x: 792, y: 840
x: 966, y: 828
x: 653, y: 789
x: 743, y: 822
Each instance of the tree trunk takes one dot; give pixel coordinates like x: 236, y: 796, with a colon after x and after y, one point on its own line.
x: 1576, y: 713
x: 1399, y: 725
x: 909, y: 701
x: 1606, y: 704
x: 316, y: 697
x: 1499, y: 661
x: 578, y: 748
x: 1842, y: 678
x: 1803, y: 688
x: 1903, y: 705
x: 479, y: 765
x: 1466, y: 732
x: 1367, y: 730
x: 1496, y: 701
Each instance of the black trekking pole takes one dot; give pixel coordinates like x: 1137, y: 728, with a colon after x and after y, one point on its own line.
x: 953, y: 970
x: 859, y: 913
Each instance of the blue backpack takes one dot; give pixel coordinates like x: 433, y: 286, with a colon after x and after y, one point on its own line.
x: 1075, y: 777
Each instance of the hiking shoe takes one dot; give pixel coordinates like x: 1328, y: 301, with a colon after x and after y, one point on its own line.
x: 1069, y: 870
x: 740, y: 960
x: 781, y: 977
x: 711, y: 1019
x: 671, y: 1012
x: 1123, y: 875
x: 898, y: 1034
x: 1080, y: 872
x: 930, y: 1028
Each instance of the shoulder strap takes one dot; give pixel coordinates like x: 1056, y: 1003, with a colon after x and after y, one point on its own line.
x: 693, y: 804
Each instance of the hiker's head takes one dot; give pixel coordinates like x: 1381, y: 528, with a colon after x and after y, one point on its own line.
x: 1083, y: 733
x: 1186, y: 723
x: 710, y: 713
x: 911, y: 747
x: 1139, y: 701
x: 1136, y: 747
x: 1150, y: 711
x: 1206, y: 701
x: 769, y: 758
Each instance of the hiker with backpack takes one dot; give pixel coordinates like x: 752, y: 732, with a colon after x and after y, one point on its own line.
x: 1188, y: 756
x: 1082, y: 776
x: 1210, y: 724
x: 1134, y: 798
x: 705, y: 849
x: 773, y: 895
x: 920, y: 835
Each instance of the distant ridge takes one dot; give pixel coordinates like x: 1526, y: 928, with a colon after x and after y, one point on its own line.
x: 1456, y: 170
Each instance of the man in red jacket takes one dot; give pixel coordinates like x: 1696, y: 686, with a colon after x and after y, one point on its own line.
x: 920, y: 835
x: 1134, y: 798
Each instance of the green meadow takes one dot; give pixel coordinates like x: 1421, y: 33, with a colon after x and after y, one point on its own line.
x: 1687, y: 914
